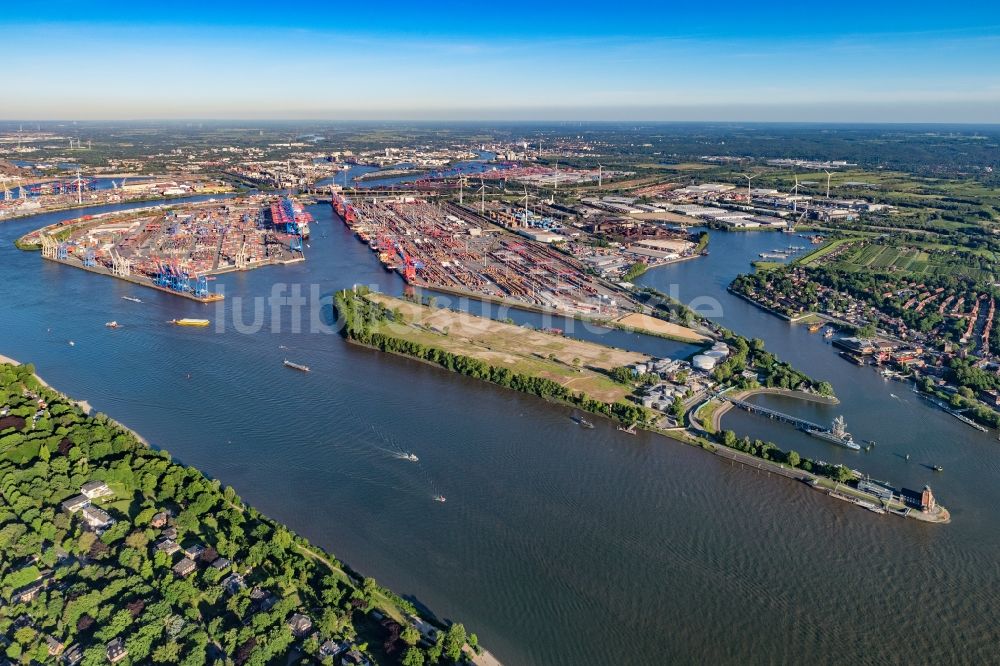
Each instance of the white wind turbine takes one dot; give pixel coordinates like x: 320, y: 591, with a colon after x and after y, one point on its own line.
x: 749, y: 177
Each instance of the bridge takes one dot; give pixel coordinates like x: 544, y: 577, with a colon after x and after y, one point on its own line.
x: 801, y: 424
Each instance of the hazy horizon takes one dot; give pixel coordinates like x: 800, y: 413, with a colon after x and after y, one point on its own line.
x: 853, y: 63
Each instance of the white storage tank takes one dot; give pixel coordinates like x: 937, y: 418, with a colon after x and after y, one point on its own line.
x: 704, y: 362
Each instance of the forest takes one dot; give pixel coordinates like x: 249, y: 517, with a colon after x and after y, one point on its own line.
x: 111, y: 551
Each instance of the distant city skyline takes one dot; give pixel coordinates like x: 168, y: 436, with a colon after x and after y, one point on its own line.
x: 846, y: 62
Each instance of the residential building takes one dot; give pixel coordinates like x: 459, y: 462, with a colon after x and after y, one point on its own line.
x: 185, y: 567
x: 95, y: 489
x: 116, y: 650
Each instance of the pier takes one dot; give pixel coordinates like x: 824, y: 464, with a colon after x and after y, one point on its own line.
x: 801, y: 424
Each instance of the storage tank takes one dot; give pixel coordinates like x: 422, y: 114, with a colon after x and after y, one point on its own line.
x: 703, y: 362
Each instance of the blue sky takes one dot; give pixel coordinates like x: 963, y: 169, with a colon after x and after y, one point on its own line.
x: 834, y: 61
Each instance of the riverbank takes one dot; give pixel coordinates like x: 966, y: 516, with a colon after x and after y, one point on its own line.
x: 93, y: 204
x: 401, y: 327
x: 707, y: 418
x: 116, y: 456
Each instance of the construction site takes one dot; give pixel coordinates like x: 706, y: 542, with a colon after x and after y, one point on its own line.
x: 179, y: 249
x: 451, y: 248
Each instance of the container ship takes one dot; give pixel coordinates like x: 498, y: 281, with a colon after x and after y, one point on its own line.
x: 837, y: 434
x: 289, y: 216
x: 344, y: 209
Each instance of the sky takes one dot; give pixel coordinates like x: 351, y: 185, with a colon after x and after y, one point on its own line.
x: 842, y: 61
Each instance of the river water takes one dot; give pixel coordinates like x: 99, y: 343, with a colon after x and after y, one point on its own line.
x: 556, y: 545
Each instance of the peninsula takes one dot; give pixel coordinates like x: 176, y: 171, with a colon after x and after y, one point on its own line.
x: 673, y: 397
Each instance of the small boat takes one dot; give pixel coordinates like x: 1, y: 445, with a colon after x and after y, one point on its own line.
x: 72, y: 344
x: 439, y: 498
x: 296, y: 366
x: 190, y: 322
x: 828, y: 333
x: 112, y: 324
x: 131, y: 298
x: 630, y: 430
x: 585, y: 423
x: 937, y: 468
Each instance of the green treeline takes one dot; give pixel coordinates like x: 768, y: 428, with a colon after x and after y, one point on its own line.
x: 635, y: 270
x: 64, y: 582
x: 770, y: 451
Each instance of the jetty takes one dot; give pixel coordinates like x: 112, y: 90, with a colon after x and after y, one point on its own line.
x: 802, y: 424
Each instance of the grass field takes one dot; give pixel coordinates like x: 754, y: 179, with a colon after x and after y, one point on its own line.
x: 576, y: 364
x: 915, y: 260
x: 811, y: 258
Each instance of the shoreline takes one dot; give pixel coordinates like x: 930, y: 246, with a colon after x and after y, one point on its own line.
x: 95, y: 204
x: 689, y: 435
x: 87, y: 408
x: 423, y: 614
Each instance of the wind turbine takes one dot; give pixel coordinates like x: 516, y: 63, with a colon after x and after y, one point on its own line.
x: 828, y: 174
x: 526, y: 205
x: 795, y: 201
x: 461, y: 189
x: 482, y: 190
x: 600, y: 176
x: 749, y: 178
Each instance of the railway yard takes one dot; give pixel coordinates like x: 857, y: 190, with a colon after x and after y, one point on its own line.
x: 453, y: 249
x: 178, y: 248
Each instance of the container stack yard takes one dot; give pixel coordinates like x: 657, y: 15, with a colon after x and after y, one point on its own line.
x: 177, y: 249
x: 452, y: 249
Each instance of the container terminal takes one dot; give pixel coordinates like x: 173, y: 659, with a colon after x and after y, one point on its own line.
x: 452, y: 249
x: 178, y: 249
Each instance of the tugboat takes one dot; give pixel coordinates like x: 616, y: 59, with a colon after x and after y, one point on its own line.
x: 837, y: 434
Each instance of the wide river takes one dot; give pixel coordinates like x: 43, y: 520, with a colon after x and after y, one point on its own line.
x: 556, y: 545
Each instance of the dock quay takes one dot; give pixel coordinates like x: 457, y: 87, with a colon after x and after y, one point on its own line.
x: 180, y: 249
x: 453, y: 249
x: 801, y: 424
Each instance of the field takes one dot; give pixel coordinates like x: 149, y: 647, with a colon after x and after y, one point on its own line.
x: 641, y: 322
x: 913, y: 259
x: 575, y: 364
